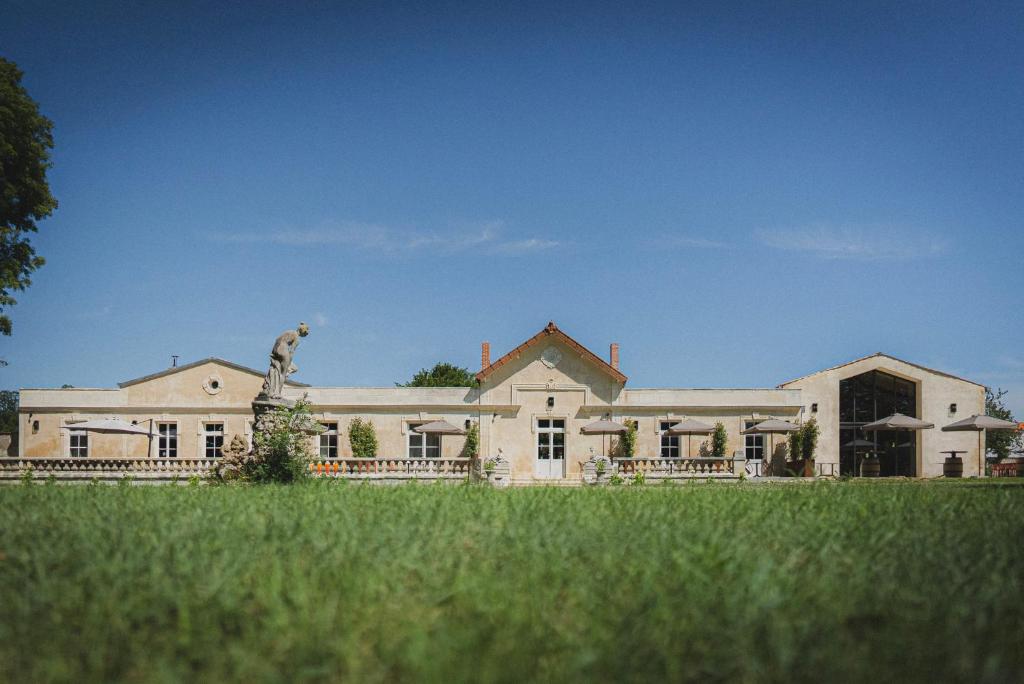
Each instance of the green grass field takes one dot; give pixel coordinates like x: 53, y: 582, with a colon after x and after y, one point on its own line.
x: 831, y: 581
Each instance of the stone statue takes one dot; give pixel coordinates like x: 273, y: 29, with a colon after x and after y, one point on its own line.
x: 281, y: 365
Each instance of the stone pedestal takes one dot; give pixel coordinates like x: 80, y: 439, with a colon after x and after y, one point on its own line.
x: 501, y: 475
x: 592, y: 472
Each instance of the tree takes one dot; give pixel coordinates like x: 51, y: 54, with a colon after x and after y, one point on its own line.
x: 26, y: 139
x: 471, y: 448
x: 719, y: 441
x: 362, y: 436
x: 442, y: 375
x: 8, y: 411
x: 1001, y: 442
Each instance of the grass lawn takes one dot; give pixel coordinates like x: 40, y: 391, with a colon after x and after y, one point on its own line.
x: 327, y: 581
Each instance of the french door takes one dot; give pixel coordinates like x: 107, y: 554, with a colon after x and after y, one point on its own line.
x: 550, y: 462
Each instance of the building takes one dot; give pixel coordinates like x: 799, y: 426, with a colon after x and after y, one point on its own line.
x: 530, y: 405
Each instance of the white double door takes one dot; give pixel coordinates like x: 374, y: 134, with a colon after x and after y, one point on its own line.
x: 550, y: 461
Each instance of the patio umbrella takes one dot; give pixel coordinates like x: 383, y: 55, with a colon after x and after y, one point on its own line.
x: 114, y: 426
x: 980, y: 424
x: 604, y: 427
x: 690, y: 427
x: 771, y: 427
x: 899, y: 423
x: 439, y: 428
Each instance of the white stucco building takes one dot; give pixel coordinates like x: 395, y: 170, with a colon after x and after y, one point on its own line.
x: 530, y: 404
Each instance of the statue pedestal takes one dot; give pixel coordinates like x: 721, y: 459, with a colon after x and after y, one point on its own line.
x: 264, y: 404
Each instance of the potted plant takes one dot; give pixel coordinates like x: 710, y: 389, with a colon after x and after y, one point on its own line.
x: 808, y: 443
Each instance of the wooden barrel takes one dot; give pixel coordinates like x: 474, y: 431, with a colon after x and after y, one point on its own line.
x: 870, y: 467
x: 953, y: 467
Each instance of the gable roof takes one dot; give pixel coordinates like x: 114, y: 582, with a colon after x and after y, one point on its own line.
x: 552, y: 331
x: 211, y: 359
x: 887, y: 356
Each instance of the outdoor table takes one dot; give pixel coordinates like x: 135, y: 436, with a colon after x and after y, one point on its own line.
x: 953, y: 467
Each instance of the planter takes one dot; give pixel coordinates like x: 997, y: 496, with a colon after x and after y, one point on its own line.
x: 953, y: 467
x: 870, y: 467
x: 809, y: 467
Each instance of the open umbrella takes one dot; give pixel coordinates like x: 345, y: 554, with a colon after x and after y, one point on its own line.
x: 113, y: 426
x: 604, y: 427
x: 899, y: 423
x: 689, y: 427
x: 771, y: 427
x: 439, y: 428
x: 980, y: 424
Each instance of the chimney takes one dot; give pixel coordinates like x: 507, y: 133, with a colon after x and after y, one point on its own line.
x: 485, y: 355
x: 614, y: 354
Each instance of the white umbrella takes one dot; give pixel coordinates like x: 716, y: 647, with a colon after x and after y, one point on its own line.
x: 980, y: 424
x: 439, y: 428
x: 604, y: 427
x: 900, y: 423
x: 113, y: 426
x: 689, y: 427
x: 771, y: 427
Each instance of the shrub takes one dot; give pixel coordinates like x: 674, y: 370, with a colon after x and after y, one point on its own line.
x: 809, y: 438
x: 362, y: 436
x: 796, y: 441
x: 280, y: 448
x: 472, y: 446
x: 627, y: 445
x: 719, y: 441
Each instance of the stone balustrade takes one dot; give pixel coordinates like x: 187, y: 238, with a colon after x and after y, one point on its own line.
x: 397, y: 469
x: 150, y: 469
x: 672, y: 468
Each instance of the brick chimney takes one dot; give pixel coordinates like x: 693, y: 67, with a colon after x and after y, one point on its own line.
x: 613, y: 354
x: 485, y: 355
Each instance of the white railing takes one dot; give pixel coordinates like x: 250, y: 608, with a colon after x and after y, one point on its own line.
x: 676, y: 467
x: 104, y: 468
x: 393, y: 468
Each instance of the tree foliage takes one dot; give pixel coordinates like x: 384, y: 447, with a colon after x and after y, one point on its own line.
x: 1000, y: 441
x: 362, y: 437
x: 719, y: 441
x: 8, y: 411
x: 442, y: 375
x: 472, y: 447
x: 26, y: 139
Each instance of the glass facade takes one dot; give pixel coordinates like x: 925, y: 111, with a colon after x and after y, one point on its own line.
x: 869, y: 397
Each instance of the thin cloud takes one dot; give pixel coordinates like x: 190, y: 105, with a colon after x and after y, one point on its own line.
x: 858, y: 242
x: 486, y: 236
x: 320, y: 319
x: 701, y: 243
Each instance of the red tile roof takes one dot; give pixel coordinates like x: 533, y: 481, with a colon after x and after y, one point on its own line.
x: 552, y: 331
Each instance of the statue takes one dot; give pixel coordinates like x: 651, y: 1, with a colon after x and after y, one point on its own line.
x: 281, y: 365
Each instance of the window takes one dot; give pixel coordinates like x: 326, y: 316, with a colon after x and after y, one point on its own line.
x: 168, y: 444
x: 329, y: 441
x: 214, y: 440
x: 79, y: 444
x: 423, y: 446
x: 669, y: 443
x: 754, y: 443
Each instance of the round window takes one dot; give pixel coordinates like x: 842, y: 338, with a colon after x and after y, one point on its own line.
x: 213, y: 384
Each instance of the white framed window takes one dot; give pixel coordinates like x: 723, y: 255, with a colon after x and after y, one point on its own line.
x: 423, y: 446
x: 754, y: 444
x: 167, y: 444
x: 669, y: 443
x: 329, y: 441
x: 79, y: 444
x: 214, y: 433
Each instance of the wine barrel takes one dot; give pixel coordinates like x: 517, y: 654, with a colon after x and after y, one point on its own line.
x: 870, y: 467
x: 953, y: 467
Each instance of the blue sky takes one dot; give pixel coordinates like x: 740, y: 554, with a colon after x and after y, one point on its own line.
x: 737, y: 193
